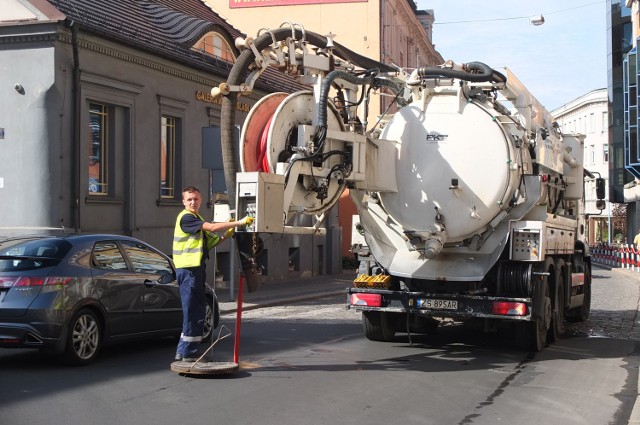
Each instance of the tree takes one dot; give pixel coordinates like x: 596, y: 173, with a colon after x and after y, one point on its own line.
x: 619, y: 222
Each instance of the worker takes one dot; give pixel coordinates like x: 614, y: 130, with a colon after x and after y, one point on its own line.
x: 193, y: 237
x: 636, y: 240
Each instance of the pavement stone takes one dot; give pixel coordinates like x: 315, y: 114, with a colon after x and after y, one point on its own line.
x: 614, y: 312
x: 615, y: 302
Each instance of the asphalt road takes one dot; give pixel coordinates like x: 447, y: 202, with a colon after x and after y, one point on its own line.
x: 308, y: 363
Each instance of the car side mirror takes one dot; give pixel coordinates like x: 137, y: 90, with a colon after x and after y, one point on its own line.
x: 166, y: 278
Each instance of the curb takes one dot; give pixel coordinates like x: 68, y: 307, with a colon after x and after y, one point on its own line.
x: 283, y: 301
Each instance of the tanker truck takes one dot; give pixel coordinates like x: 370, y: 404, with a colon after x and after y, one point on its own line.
x: 469, y: 195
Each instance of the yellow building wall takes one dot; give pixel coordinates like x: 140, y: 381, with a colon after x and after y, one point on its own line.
x: 356, y: 25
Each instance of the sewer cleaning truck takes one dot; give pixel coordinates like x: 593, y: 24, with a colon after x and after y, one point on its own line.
x: 469, y: 195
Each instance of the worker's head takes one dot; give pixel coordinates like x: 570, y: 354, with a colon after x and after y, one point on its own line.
x: 191, y: 199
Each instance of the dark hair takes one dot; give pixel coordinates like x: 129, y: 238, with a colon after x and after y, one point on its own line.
x: 190, y: 189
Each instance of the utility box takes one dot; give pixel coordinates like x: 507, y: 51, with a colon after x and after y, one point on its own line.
x: 261, y: 195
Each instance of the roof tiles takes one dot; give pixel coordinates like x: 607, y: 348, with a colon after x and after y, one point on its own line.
x: 167, y: 28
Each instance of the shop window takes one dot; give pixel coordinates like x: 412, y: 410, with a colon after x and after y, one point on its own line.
x: 98, y: 149
x: 170, y: 134
x: 214, y: 44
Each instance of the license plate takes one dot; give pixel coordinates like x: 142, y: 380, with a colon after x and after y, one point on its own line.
x: 438, y: 304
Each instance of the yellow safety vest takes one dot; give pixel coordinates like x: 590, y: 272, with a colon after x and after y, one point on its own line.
x: 188, y: 248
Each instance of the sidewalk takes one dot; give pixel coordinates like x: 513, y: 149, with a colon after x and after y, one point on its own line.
x: 287, y: 292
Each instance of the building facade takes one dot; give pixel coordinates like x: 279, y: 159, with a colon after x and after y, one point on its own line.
x: 619, y: 36
x: 107, y: 114
x: 588, y: 115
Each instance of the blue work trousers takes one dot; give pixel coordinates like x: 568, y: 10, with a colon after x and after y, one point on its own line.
x: 192, y: 295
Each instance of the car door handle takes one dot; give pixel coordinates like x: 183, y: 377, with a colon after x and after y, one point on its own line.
x: 149, y: 283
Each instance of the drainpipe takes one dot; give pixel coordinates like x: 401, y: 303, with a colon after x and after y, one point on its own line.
x: 75, y: 127
x: 382, y: 31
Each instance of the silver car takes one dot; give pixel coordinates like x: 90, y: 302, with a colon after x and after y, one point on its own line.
x: 71, y: 294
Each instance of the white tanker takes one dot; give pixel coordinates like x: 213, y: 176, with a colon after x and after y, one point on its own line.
x: 469, y: 195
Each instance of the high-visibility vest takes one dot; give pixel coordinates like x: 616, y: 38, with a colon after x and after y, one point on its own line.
x: 188, y: 248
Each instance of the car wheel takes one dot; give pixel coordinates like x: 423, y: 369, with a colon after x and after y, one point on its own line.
x: 84, y: 338
x: 212, y: 318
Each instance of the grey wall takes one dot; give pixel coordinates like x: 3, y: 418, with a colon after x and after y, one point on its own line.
x: 33, y: 154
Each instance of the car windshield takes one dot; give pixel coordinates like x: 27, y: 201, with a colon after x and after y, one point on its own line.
x: 32, y: 253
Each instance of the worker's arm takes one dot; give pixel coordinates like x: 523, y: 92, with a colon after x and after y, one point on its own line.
x: 221, y: 227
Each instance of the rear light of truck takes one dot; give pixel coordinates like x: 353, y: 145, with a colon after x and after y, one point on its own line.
x: 369, y: 300
x: 504, y: 308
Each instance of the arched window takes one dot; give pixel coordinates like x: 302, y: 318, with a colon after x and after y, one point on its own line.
x: 215, y: 45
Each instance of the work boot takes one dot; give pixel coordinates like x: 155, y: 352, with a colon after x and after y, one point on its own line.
x: 193, y: 358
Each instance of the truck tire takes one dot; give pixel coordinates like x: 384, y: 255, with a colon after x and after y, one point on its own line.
x: 532, y: 335
x: 556, y: 329
x: 581, y: 314
x: 379, y: 325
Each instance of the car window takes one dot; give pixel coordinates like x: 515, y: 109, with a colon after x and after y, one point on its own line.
x: 107, y: 255
x: 145, y: 260
x: 31, y: 253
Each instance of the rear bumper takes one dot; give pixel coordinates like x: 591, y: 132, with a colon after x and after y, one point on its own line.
x: 468, y: 306
x: 37, y: 329
x: 18, y: 335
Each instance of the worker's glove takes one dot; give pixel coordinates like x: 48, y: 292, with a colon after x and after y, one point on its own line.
x: 247, y: 221
x: 229, y: 232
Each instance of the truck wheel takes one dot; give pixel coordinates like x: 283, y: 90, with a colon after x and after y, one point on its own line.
x: 84, y: 338
x: 557, y: 320
x: 532, y: 335
x: 581, y: 314
x: 379, y: 325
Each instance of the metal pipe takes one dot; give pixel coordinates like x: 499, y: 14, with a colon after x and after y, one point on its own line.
x: 75, y: 127
x: 304, y: 230
x: 236, y: 342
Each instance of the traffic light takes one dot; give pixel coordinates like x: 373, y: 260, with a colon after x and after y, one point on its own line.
x: 600, y: 188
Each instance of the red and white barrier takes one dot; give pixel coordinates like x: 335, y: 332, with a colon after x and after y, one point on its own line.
x: 626, y: 256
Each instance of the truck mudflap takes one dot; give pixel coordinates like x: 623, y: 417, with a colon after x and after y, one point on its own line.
x: 440, y: 305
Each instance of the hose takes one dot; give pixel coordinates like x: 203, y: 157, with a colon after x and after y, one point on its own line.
x: 237, y: 75
x: 477, y: 72
x: 368, y: 78
x: 326, y: 86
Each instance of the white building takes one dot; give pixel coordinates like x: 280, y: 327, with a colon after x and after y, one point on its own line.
x: 588, y: 115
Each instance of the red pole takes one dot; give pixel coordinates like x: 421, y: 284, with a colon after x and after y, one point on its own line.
x: 236, y: 344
